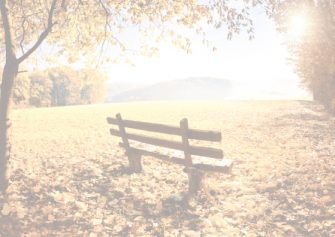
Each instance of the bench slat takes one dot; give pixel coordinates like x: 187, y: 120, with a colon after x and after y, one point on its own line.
x: 224, y: 168
x: 195, y: 134
x: 203, y: 135
x: 194, y: 150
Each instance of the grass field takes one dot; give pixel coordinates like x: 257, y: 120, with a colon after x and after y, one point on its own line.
x: 67, y: 179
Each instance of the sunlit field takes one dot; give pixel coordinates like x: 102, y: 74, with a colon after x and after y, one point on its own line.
x: 78, y: 79
x: 67, y: 174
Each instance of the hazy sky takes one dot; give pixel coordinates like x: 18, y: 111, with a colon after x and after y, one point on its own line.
x: 258, y: 65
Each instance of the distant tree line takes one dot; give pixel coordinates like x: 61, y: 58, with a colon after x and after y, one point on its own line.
x: 59, y: 87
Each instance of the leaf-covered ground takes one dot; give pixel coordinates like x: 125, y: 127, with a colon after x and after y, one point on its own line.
x: 68, y: 175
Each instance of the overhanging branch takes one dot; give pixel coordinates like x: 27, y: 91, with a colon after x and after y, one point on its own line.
x: 43, y: 35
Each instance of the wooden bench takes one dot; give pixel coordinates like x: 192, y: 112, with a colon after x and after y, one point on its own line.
x: 195, y: 158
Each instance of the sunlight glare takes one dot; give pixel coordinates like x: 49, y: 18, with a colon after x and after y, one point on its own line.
x: 298, y: 26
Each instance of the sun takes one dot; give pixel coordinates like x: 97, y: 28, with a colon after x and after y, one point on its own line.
x: 298, y: 26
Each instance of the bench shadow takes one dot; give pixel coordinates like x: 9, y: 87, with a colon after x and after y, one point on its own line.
x: 152, y: 215
x: 133, y: 207
x: 10, y: 225
x: 121, y: 171
x: 35, y: 200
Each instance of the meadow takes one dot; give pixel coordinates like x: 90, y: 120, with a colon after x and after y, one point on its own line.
x: 68, y: 179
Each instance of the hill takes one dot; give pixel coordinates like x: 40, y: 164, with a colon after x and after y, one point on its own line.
x: 192, y: 88
x: 115, y: 89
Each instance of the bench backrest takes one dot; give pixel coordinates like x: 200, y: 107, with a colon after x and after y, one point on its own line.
x: 183, y: 131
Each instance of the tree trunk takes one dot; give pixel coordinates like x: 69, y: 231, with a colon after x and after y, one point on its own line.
x: 9, y: 74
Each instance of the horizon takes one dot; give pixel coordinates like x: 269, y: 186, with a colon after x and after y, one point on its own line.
x: 236, y: 91
x: 265, y: 60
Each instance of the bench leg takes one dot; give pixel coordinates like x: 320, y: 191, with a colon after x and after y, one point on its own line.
x: 195, y: 181
x: 135, y: 163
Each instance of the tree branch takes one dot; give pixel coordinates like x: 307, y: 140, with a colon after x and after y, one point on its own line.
x: 43, y: 35
x: 23, y: 35
x: 106, y: 29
